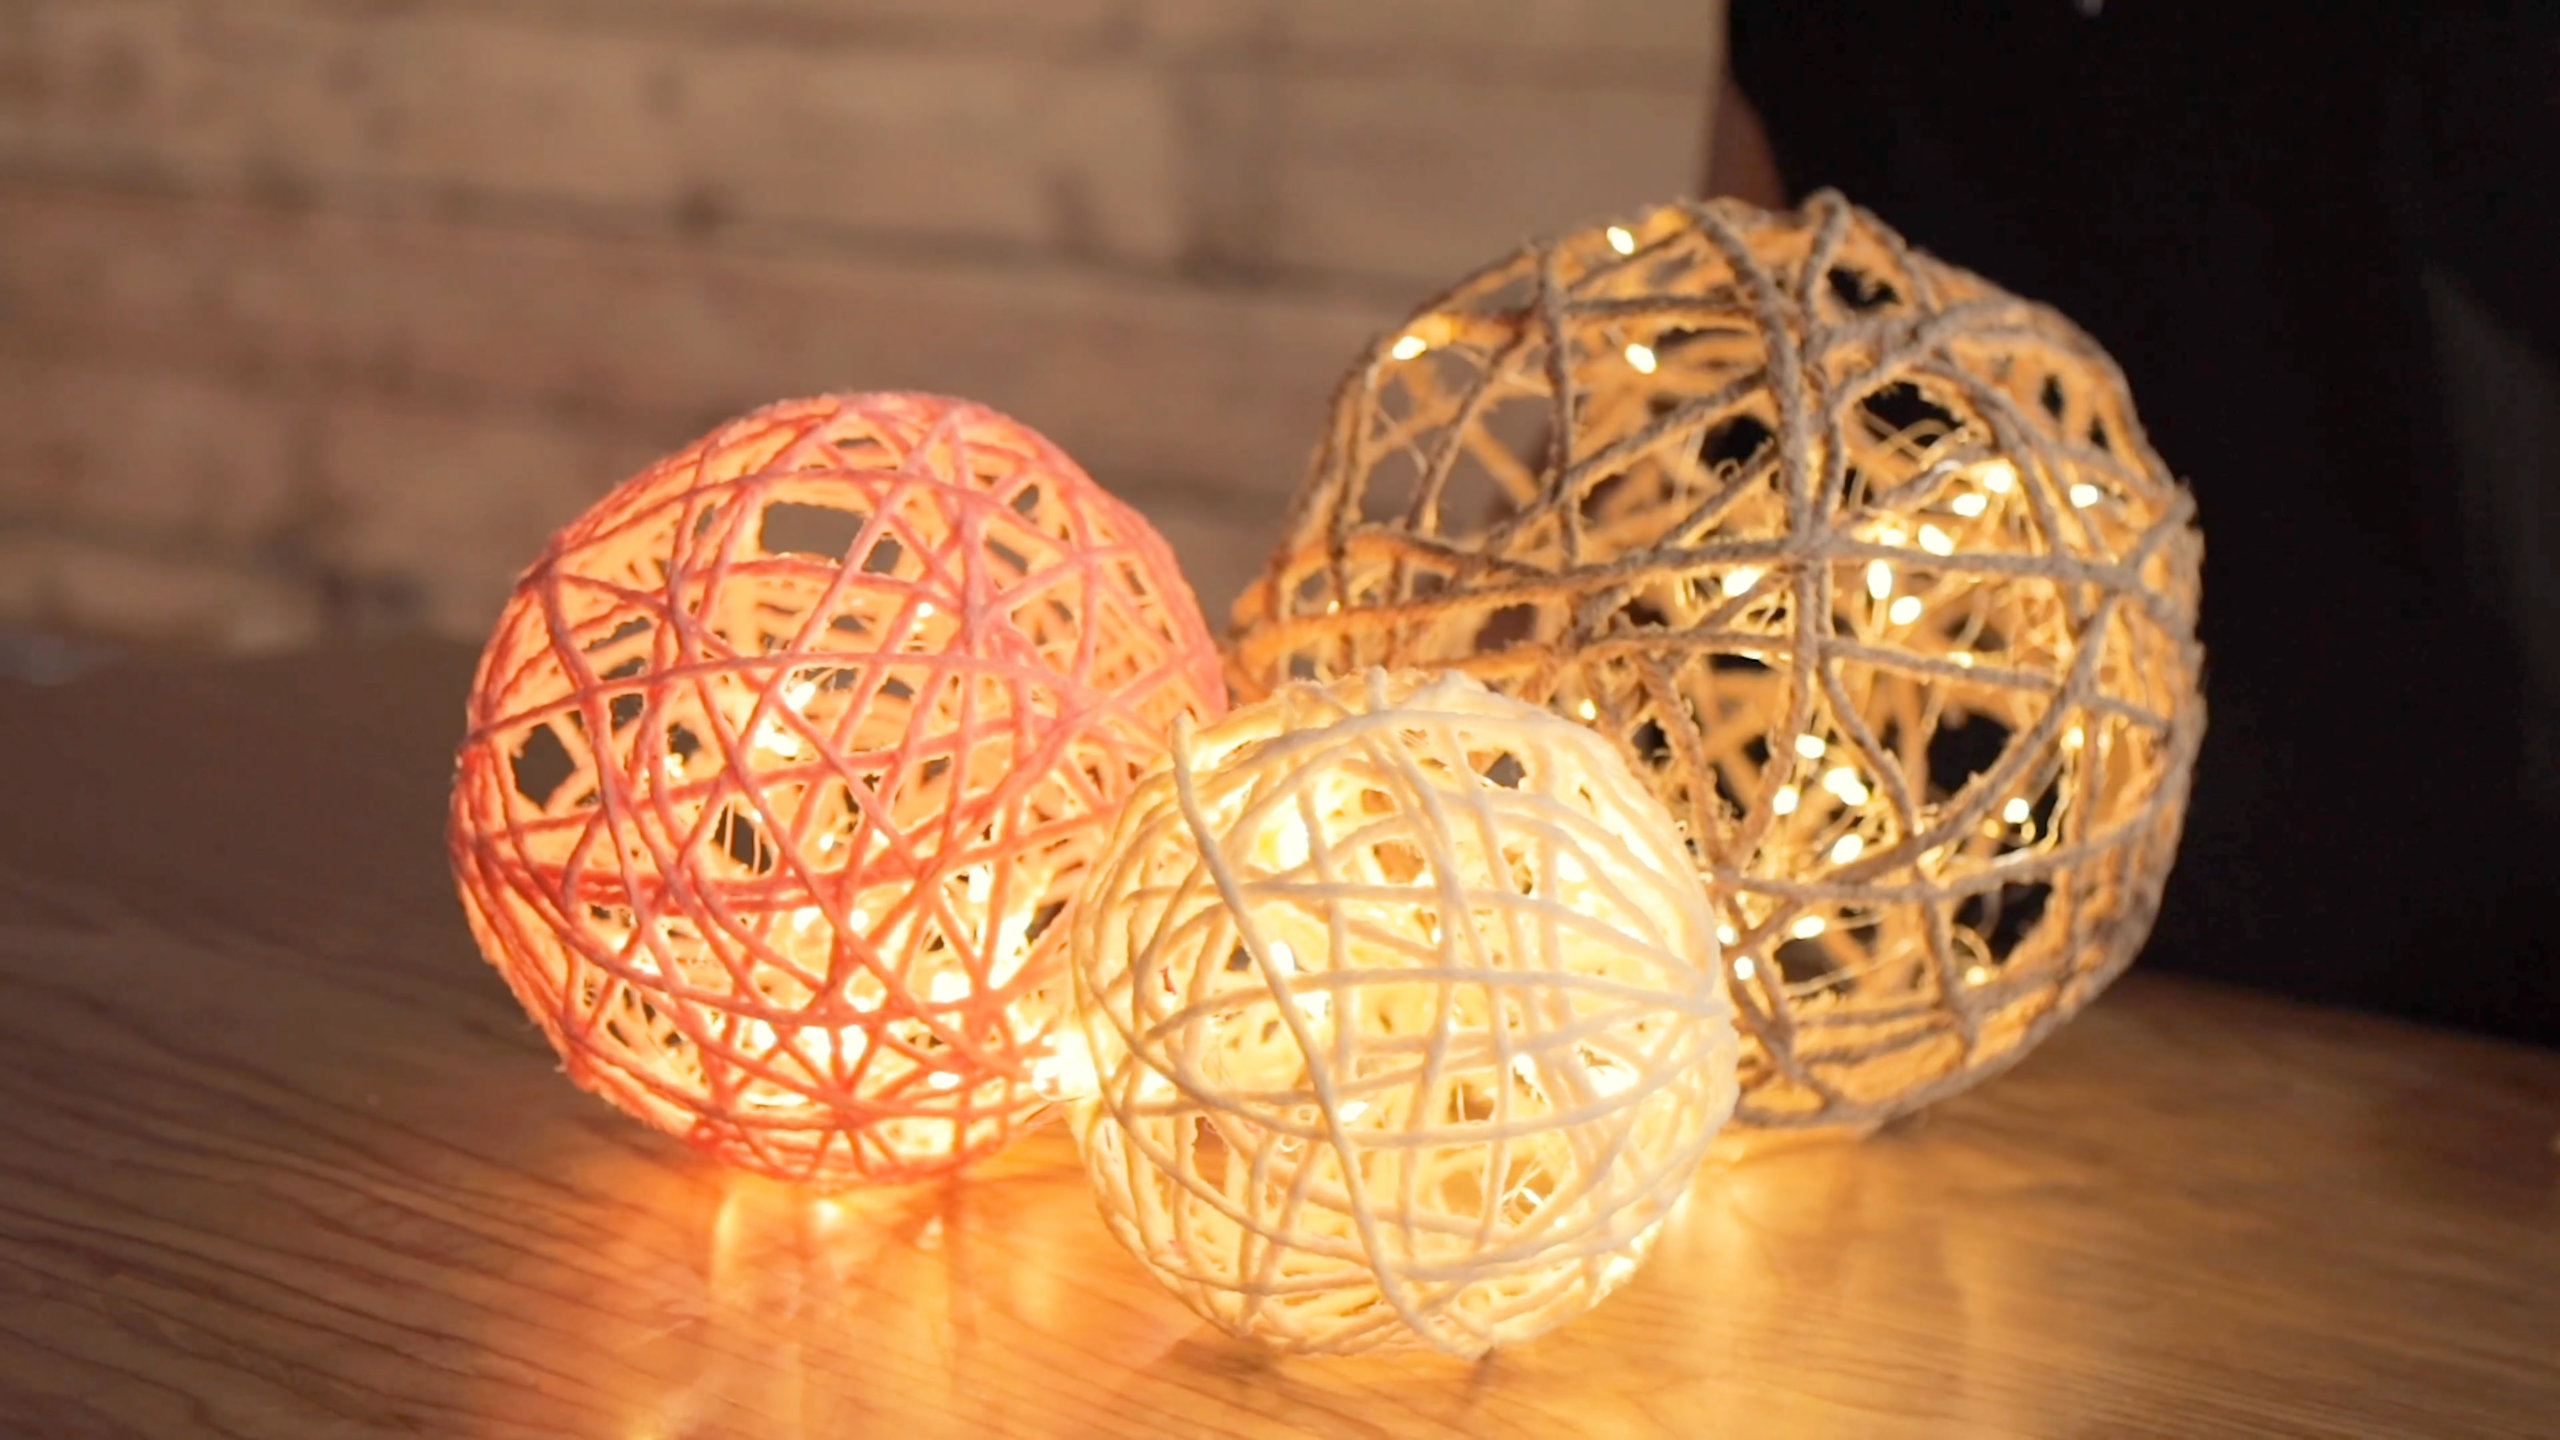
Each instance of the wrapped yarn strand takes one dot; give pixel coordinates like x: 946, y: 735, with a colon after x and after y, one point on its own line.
x: 1861, y: 562
x: 1404, y: 1008
x: 786, y: 760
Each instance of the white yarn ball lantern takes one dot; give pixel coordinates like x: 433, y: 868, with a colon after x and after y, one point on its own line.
x: 1406, y: 1015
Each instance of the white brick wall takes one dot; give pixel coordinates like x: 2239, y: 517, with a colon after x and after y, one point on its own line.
x: 321, y: 313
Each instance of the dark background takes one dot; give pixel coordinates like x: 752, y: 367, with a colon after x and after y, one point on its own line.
x: 2321, y: 240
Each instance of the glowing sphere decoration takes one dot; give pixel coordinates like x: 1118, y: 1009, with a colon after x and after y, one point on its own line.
x: 1403, y: 1000
x: 1863, y: 564
x: 786, y: 760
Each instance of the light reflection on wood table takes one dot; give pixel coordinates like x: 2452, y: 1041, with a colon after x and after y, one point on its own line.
x: 283, y: 1159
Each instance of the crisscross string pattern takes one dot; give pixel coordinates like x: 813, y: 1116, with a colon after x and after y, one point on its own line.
x: 1862, y: 562
x: 787, y: 757
x: 1403, y: 1003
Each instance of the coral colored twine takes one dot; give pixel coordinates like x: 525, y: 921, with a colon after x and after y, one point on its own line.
x: 785, y: 761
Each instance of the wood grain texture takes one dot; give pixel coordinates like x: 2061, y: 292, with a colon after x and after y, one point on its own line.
x: 400, y: 411
x: 408, y: 508
x: 1143, y: 382
x: 1073, y: 145
x: 278, y: 1157
x: 933, y: 146
x: 532, y: 232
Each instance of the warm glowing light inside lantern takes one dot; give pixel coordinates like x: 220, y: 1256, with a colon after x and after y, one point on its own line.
x: 1719, y: 580
x: 1808, y: 927
x: 1285, y: 843
x: 1844, y: 783
x: 1408, y: 346
x: 1067, y: 1071
x: 1013, y: 946
x: 1345, y: 1074
x: 1641, y: 357
x: 685, y: 800
x: 1884, y: 592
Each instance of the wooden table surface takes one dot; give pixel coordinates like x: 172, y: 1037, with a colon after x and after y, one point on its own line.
x: 281, y: 1158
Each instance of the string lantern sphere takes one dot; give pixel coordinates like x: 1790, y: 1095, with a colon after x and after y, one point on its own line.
x: 1862, y: 562
x: 786, y: 760
x: 1403, y: 1004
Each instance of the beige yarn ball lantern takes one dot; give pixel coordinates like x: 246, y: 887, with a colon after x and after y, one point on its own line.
x: 1863, y: 563
x: 786, y: 760
x: 1403, y: 1003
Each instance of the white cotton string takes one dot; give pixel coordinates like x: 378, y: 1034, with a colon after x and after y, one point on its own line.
x: 1404, y: 1007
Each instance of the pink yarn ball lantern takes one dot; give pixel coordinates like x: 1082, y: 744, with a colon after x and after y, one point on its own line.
x: 785, y: 760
